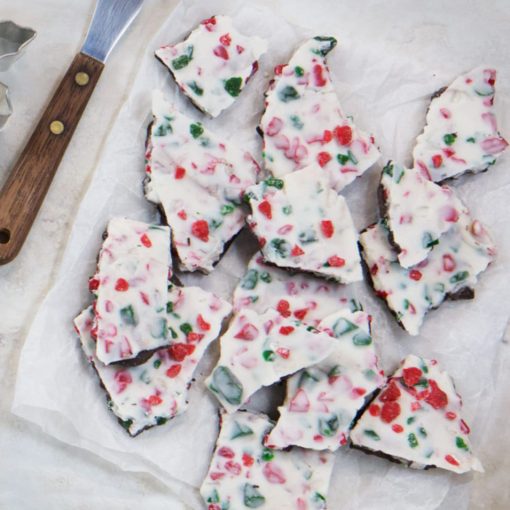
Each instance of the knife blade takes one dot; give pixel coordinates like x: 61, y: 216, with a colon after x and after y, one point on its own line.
x: 29, y: 180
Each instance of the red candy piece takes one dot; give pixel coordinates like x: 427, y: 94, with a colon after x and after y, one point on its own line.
x: 451, y: 460
x: 283, y: 308
x: 437, y: 160
x: 437, y: 398
x: 412, y: 376
x: 93, y: 284
x: 247, y: 332
x: 179, y: 351
x: 200, y: 229
x: 248, y: 460
x: 397, y: 428
x: 300, y: 402
x: 265, y: 208
x: 121, y: 285
x: 286, y: 330
x: 123, y: 379
x: 300, y: 314
x: 374, y: 410
x: 202, y: 324
x: 449, y: 264
x: 343, y: 135
x: 173, y: 371
x: 225, y: 39
x: 226, y: 452
x: 391, y: 393
x: 146, y: 241
x: 390, y: 411
x: 284, y: 353
x: 414, y: 274
x: 273, y: 473
x: 335, y: 261
x: 317, y: 70
x: 180, y: 172
x: 221, y: 52
x: 327, y: 228
x: 323, y: 158
x: 296, y: 251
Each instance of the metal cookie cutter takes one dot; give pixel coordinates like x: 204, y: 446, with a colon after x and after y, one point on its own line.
x: 13, y: 40
x: 5, y: 105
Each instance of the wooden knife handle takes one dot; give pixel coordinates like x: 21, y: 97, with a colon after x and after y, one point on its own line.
x: 29, y: 180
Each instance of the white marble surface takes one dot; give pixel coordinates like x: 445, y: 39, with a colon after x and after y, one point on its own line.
x: 36, y: 471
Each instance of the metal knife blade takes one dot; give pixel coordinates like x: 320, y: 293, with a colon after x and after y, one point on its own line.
x: 110, y: 21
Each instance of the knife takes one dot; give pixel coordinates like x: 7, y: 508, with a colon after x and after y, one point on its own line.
x: 28, y: 182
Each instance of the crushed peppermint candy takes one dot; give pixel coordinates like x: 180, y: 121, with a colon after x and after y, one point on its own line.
x: 258, y: 350
x: 301, y: 223
x: 417, y: 212
x: 245, y: 474
x: 416, y: 419
x: 130, y: 287
x: 301, y: 296
x: 303, y: 122
x: 450, y: 271
x: 323, y: 400
x: 461, y: 133
x: 198, y: 180
x: 213, y: 65
x: 150, y: 394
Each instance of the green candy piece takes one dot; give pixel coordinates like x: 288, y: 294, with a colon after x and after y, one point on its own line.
x: 329, y: 426
x: 308, y: 236
x: 214, y: 497
x: 250, y: 280
x: 267, y: 454
x: 306, y: 376
x: 274, y: 182
x: 160, y: 420
x: 343, y: 326
x: 226, y: 209
x: 233, y: 86
x: 428, y: 241
x: 127, y: 315
x: 269, y: 355
x: 459, y: 277
x: 287, y: 209
x: 288, y: 93
x: 160, y: 329
x: 449, y: 139
x: 265, y: 277
x: 460, y: 443
x: 412, y: 440
x: 240, y: 430
x: 252, y: 498
x: 226, y: 384
x: 186, y: 328
x: 372, y: 434
x: 193, y: 85
x: 296, y: 122
x: 281, y: 247
x: 299, y: 71
x: 183, y: 60
x: 196, y: 130
x: 157, y: 363
x: 361, y: 339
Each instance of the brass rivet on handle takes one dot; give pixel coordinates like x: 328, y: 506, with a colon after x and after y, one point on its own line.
x: 81, y: 78
x: 57, y: 127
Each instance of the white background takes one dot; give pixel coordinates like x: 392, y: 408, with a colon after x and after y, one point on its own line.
x: 36, y: 471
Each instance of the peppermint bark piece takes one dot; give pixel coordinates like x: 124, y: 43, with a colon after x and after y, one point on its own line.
x: 416, y: 420
x: 303, y: 122
x: 198, y: 181
x: 258, y: 350
x: 450, y: 271
x: 245, y: 474
x: 130, y: 287
x: 213, y: 65
x: 417, y: 212
x: 301, y: 223
x: 299, y: 295
x: 461, y: 133
x: 157, y: 390
x: 323, y: 400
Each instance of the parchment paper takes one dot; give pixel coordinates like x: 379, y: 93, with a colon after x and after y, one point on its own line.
x: 384, y: 78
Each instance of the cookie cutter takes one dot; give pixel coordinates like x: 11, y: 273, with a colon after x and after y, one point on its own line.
x: 13, y: 40
x: 5, y: 105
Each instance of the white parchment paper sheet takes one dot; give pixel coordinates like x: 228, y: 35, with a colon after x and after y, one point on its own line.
x: 383, y: 76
